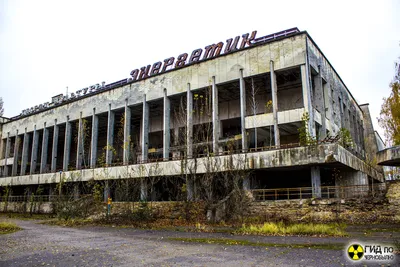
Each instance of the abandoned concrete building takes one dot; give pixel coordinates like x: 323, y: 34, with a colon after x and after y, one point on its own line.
x: 241, y: 101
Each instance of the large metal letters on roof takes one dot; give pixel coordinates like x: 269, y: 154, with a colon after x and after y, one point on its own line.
x: 210, y: 51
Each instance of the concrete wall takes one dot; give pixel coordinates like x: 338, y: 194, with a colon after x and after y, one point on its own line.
x: 267, y: 119
x: 353, y: 211
x: 371, y: 147
x: 358, y: 210
x: 24, y: 207
x: 337, y: 111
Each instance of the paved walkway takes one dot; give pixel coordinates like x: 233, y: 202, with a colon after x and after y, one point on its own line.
x: 43, y: 245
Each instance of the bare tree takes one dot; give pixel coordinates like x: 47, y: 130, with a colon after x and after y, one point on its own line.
x: 1, y: 106
x: 254, y: 107
x: 215, y: 179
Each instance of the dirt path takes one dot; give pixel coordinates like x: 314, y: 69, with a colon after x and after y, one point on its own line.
x: 43, y: 245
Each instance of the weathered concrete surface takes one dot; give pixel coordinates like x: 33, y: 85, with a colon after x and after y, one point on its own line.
x: 357, y: 210
x: 267, y: 119
x: 25, y: 207
x: 389, y: 156
x: 371, y: 144
x: 309, y: 155
x: 347, y: 158
x: 285, y: 53
x: 393, y: 197
x: 43, y: 245
x: 334, y: 100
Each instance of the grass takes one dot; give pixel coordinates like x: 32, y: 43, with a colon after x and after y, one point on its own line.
x: 70, y: 222
x: 308, y: 229
x: 26, y: 216
x: 384, y: 230
x: 235, y: 242
x: 279, y: 229
x: 8, y: 228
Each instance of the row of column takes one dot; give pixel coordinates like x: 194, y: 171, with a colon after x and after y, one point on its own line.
x: 145, y: 129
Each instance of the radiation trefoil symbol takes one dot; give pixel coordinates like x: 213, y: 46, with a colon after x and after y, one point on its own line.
x: 355, y: 252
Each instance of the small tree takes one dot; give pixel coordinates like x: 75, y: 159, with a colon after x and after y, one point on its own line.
x: 305, y: 137
x: 345, y: 139
x: 389, y: 118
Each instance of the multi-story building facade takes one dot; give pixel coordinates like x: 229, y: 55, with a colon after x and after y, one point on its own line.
x: 246, y: 97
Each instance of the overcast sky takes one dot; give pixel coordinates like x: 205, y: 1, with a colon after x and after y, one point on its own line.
x: 46, y: 46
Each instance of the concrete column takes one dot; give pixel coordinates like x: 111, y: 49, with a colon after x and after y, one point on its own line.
x: 176, y: 154
x: 45, y: 143
x: 54, y: 147
x: 110, y: 135
x: 305, y: 81
x: 316, y: 181
x: 76, y: 191
x: 215, y: 117
x: 79, y: 146
x: 176, y: 134
x: 107, y: 191
x: 145, y: 130
x: 319, y: 90
x: 93, y: 143
x: 189, y: 189
x: 67, y: 144
x: 25, y: 152
x: 16, y: 150
x: 35, y: 148
x: 2, y: 144
x: 143, y: 189
x: 7, y: 155
x: 51, y: 190
x: 189, y: 122
x: 127, y: 132
x: 274, y: 93
x: 246, y: 183
x: 243, y: 110
x: 166, y: 126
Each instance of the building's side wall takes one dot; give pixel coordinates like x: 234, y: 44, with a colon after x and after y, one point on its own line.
x: 379, y: 141
x: 371, y: 144
x: 341, y: 109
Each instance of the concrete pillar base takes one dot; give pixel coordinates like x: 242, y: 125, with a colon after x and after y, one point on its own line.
x: 246, y: 183
x: 76, y: 191
x: 189, y: 189
x: 107, y: 191
x: 316, y: 181
x: 143, y: 189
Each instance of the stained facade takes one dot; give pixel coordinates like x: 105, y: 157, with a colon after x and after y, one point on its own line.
x: 249, y: 101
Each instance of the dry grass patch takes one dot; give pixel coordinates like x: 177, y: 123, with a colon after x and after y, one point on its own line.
x: 8, y: 228
x: 236, y: 242
x: 308, y: 229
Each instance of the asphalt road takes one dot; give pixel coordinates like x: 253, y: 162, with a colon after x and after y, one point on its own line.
x: 43, y: 245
